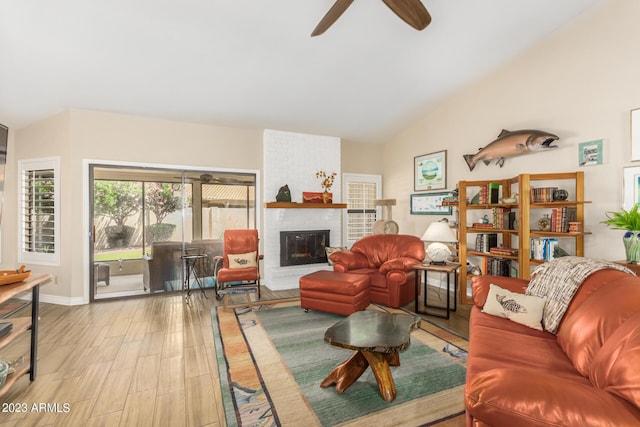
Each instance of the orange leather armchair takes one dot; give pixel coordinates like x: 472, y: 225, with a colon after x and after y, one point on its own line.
x: 240, y: 260
x: 387, y: 260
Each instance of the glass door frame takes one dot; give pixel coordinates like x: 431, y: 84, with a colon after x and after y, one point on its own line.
x: 88, y: 177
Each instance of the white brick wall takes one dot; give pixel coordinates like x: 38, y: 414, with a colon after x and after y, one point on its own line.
x: 294, y: 159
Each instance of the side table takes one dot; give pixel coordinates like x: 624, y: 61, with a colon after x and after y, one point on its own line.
x: 448, y: 268
x: 633, y: 267
x: 191, y: 269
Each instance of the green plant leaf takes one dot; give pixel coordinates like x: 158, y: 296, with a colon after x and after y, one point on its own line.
x: 624, y: 219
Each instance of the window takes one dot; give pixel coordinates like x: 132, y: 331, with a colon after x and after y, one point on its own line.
x: 361, y: 192
x: 39, y: 241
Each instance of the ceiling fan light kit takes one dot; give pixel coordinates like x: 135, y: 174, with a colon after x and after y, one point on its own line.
x: 412, y: 12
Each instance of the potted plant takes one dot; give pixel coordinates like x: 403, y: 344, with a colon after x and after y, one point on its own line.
x: 627, y: 220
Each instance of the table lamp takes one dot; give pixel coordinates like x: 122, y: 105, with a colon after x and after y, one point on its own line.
x: 438, y: 233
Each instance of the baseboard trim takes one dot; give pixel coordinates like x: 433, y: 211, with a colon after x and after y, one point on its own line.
x: 54, y: 299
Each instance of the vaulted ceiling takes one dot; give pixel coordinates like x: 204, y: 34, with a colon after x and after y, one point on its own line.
x: 253, y: 63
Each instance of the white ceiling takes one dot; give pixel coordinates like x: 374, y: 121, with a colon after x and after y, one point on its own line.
x: 253, y: 64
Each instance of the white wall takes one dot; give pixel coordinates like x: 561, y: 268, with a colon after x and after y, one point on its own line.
x: 580, y: 83
x: 293, y: 159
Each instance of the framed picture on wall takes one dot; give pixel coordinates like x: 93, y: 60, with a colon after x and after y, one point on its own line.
x: 635, y: 134
x: 430, y: 171
x: 631, y: 186
x: 590, y: 153
x: 429, y: 204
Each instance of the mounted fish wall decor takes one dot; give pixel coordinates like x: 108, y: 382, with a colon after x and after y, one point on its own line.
x: 509, y: 144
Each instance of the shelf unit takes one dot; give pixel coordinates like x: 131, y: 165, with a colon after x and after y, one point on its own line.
x: 520, y: 237
x: 23, y: 324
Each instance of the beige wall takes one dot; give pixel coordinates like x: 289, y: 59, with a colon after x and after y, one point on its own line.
x: 580, y: 83
x: 49, y: 138
x: 361, y: 158
x: 77, y: 136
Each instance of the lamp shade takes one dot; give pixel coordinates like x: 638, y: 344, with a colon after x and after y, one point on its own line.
x: 439, y: 232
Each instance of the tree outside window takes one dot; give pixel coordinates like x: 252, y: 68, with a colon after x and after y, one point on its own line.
x: 117, y: 201
x: 161, y: 199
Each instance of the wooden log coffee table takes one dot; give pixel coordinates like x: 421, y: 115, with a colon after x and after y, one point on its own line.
x: 377, y: 337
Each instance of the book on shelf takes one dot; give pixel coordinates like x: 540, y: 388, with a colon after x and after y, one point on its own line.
x: 450, y: 201
x: 513, y: 216
x: 561, y: 217
x: 499, y: 267
x: 484, y: 194
x: 494, y: 192
x: 502, y: 218
x: 489, y: 193
x: 543, y: 248
x: 484, y: 242
x: 496, y: 267
x: 542, y: 194
x: 482, y: 225
x: 500, y: 251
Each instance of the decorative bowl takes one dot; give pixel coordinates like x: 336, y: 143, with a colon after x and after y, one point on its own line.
x: 560, y: 194
x: 8, y: 277
x: 510, y: 199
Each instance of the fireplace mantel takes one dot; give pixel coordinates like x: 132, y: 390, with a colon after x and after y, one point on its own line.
x: 290, y: 205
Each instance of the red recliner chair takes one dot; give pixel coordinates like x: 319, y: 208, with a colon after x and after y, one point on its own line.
x: 240, y: 260
x: 387, y: 260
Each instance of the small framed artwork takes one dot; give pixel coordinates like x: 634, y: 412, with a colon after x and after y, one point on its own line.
x: 631, y: 186
x: 430, y: 171
x: 429, y: 204
x: 590, y: 153
x: 635, y: 134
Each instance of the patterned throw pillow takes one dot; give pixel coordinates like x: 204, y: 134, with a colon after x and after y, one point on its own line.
x: 247, y: 260
x: 524, y: 309
x: 331, y: 250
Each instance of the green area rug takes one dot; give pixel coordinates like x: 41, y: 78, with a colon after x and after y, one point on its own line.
x: 271, y: 363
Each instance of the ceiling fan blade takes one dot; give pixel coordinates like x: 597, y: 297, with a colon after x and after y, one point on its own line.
x: 332, y: 16
x: 412, y: 12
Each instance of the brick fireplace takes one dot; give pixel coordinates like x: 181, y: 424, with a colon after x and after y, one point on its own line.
x: 293, y: 159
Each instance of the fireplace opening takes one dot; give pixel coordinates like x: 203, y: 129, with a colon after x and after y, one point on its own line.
x: 303, y: 247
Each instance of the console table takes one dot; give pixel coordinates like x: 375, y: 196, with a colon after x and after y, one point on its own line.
x: 22, y: 324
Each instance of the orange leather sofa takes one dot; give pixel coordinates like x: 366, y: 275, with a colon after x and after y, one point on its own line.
x: 387, y: 260
x: 588, y: 374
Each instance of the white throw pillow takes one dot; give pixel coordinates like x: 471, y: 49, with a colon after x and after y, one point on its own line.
x: 524, y: 309
x: 247, y: 260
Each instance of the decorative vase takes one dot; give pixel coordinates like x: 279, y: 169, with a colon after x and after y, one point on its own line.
x: 544, y: 223
x: 326, y: 197
x: 560, y: 194
x: 632, y: 246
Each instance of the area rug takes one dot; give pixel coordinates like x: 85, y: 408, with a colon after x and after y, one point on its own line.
x: 271, y: 362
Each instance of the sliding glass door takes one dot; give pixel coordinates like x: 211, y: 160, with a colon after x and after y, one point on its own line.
x: 145, y: 219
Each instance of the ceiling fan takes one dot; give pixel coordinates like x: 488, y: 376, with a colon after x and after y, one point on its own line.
x: 207, y: 178
x: 412, y: 12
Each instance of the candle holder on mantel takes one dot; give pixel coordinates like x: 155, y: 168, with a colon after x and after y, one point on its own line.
x: 386, y: 225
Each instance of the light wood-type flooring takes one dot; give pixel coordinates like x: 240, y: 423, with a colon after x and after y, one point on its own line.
x: 146, y: 361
